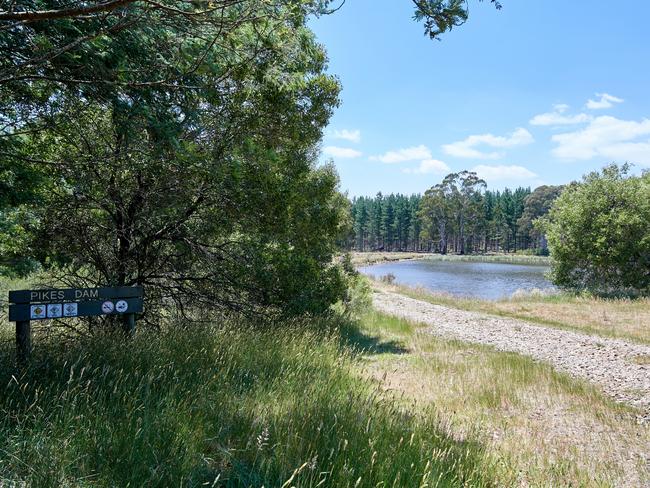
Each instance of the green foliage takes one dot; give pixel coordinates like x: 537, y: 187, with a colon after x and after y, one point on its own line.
x: 15, y: 238
x: 457, y: 214
x: 21, y: 188
x: 234, y: 405
x: 209, y: 196
x: 358, y: 300
x: 440, y: 16
x: 599, y: 233
x: 390, y: 223
x: 537, y: 205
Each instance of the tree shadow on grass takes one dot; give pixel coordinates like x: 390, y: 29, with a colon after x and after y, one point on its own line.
x: 353, y: 337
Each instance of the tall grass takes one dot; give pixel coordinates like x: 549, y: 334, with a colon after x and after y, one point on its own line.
x: 227, y: 405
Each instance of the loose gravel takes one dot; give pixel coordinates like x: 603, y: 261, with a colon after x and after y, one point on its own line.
x: 614, y: 365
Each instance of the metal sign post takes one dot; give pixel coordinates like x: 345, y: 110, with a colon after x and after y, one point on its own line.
x: 28, y: 305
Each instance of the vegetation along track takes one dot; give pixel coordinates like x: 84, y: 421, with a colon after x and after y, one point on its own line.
x: 620, y: 368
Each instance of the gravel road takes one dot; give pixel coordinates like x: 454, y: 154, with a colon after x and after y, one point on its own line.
x: 614, y: 365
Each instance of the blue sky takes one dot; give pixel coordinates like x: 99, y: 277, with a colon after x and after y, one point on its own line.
x: 540, y: 92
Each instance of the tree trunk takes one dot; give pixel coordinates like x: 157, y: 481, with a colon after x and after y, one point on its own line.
x: 443, y: 237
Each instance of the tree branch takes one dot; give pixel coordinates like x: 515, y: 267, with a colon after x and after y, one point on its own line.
x: 63, y: 13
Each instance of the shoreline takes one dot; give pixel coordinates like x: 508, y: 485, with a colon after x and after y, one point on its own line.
x: 607, y: 362
x: 370, y: 258
x: 609, y: 318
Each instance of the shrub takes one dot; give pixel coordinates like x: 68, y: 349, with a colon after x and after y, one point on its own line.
x: 599, y: 233
x: 359, y: 296
x: 388, y: 278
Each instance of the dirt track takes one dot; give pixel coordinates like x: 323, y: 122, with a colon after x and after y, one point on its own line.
x: 614, y: 365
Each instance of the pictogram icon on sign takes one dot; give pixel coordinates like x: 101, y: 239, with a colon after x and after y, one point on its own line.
x: 70, y: 310
x: 108, y: 307
x: 54, y: 310
x: 37, y: 311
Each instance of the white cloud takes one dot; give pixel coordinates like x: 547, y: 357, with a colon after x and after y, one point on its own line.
x: 606, y: 101
x: 342, y: 152
x: 429, y: 166
x: 402, y: 155
x: 607, y: 137
x: 503, y: 172
x: 467, y: 147
x: 633, y: 152
x: 347, y: 135
x: 558, y: 117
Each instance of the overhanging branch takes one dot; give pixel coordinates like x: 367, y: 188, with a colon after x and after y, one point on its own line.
x: 63, y: 13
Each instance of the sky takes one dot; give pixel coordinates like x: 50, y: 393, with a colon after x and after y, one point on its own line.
x: 540, y: 92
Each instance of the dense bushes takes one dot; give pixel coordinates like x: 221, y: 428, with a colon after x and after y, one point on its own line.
x: 599, y: 233
x: 205, y: 188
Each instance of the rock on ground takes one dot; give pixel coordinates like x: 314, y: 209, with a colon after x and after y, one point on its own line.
x: 612, y: 364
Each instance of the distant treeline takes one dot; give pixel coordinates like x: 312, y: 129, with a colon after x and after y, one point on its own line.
x: 458, y: 215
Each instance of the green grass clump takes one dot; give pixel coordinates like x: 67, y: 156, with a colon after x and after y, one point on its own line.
x: 227, y: 405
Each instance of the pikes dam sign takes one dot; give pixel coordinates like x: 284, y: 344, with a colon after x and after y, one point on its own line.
x: 52, y: 304
x: 74, y: 302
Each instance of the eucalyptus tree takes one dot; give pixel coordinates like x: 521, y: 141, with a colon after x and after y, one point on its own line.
x: 435, y: 213
x: 453, y: 204
x: 466, y: 188
x: 440, y: 16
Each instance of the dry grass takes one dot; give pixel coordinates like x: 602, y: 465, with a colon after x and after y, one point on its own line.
x: 368, y: 258
x: 617, y: 318
x: 642, y: 360
x: 546, y: 428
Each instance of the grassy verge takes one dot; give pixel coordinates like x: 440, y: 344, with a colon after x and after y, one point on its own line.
x: 368, y: 258
x: 618, y: 318
x: 324, y: 403
x: 545, y: 428
x: 228, y: 405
